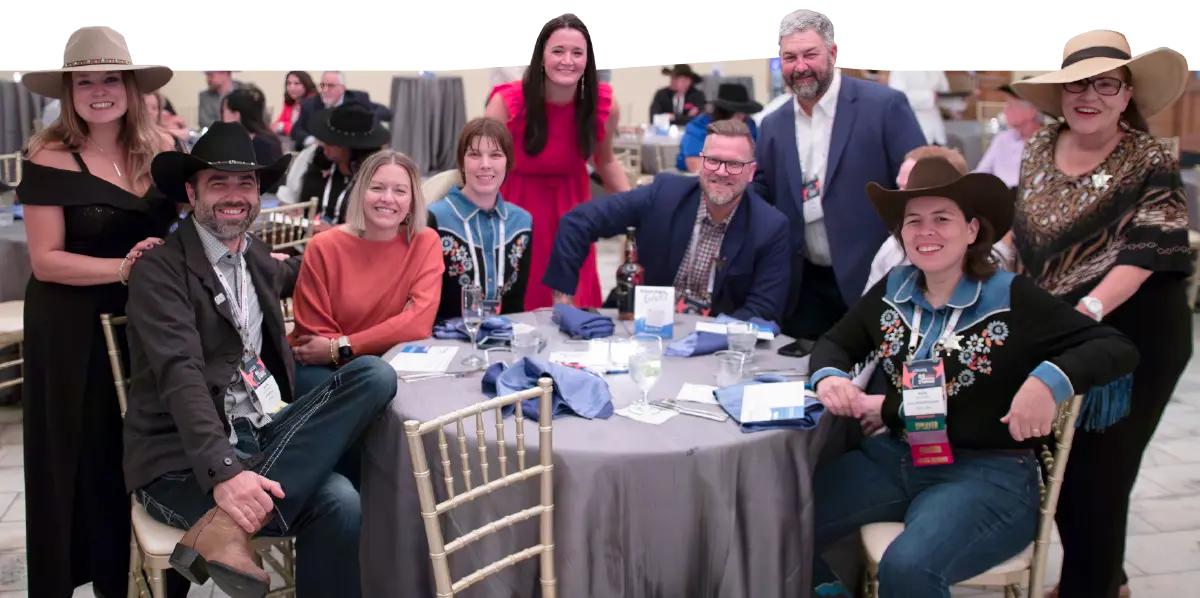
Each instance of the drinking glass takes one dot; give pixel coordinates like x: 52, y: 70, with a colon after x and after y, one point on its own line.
x: 729, y: 368
x: 527, y: 344
x: 742, y: 338
x: 473, y: 312
x: 645, y: 367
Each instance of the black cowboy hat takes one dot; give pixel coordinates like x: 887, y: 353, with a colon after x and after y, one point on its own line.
x: 682, y: 70
x: 980, y: 195
x: 351, y: 125
x: 226, y: 147
x: 734, y: 98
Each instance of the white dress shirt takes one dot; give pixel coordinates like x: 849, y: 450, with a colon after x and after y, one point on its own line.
x: 921, y: 88
x: 813, y: 135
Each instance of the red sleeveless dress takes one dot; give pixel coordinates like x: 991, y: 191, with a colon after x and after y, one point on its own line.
x: 549, y: 184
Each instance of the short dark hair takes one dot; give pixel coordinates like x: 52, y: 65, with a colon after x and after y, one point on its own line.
x: 484, y: 127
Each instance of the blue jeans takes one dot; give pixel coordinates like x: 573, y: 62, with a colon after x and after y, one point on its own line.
x: 300, y: 449
x: 960, y: 519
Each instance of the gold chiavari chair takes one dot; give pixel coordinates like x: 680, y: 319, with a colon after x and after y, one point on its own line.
x: 287, y: 306
x: 1029, y: 567
x: 10, y: 169
x: 152, y: 542
x: 438, y: 186
x: 12, y: 332
x: 288, y: 225
x: 431, y: 509
x: 1194, y: 279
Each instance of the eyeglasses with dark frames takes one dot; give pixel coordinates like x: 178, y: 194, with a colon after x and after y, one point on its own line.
x: 1105, y: 86
x: 731, y: 166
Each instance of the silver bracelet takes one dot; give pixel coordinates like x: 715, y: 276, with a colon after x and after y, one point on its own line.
x: 121, y: 271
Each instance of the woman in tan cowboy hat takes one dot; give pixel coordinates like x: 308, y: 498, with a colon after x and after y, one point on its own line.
x: 90, y: 212
x: 977, y: 362
x: 1102, y: 223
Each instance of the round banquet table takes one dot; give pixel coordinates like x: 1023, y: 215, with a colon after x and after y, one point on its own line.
x: 692, y: 507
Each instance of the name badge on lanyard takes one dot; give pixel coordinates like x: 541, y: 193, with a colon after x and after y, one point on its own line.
x: 923, y: 393
x: 259, y: 382
x: 814, y: 210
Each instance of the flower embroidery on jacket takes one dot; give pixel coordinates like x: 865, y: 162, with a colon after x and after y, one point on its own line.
x: 893, y: 332
x: 974, y: 355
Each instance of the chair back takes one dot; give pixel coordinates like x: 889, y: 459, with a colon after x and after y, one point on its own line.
x: 112, y: 326
x: 10, y: 169
x: 438, y: 186
x: 288, y: 225
x: 1054, y: 466
x: 431, y: 509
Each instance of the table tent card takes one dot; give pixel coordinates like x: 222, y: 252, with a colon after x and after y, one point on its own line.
x: 654, y: 311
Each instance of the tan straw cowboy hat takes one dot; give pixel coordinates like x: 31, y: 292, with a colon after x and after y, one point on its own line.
x: 1159, y: 76
x: 95, y: 49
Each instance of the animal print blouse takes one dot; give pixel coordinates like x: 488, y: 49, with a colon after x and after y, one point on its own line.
x: 1130, y: 210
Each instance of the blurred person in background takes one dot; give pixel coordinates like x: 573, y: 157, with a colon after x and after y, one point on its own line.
x: 298, y: 86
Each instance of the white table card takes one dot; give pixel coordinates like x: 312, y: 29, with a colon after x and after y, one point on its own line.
x: 417, y: 358
x: 719, y: 328
x: 773, y: 402
x: 654, y: 311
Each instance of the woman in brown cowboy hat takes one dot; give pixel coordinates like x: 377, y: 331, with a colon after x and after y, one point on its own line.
x: 90, y: 212
x: 951, y: 488
x: 1102, y: 223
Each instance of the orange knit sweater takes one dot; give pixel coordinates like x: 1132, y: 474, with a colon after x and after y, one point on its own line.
x: 379, y: 293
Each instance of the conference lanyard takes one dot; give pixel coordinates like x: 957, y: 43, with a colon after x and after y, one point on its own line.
x: 337, y: 208
x: 240, y: 313
x: 914, y: 339
x: 475, y: 258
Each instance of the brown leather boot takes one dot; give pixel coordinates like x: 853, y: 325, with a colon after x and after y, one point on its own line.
x: 217, y: 547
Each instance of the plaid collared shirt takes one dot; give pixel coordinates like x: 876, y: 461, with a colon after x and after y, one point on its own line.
x: 692, y: 279
x: 238, y: 402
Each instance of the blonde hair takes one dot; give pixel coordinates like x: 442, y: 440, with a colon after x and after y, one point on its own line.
x: 356, y: 218
x: 951, y: 155
x: 142, y: 137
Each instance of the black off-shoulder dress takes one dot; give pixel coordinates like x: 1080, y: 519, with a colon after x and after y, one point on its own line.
x: 77, y: 522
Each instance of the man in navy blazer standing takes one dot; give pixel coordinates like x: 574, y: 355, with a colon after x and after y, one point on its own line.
x: 816, y: 155
x: 722, y: 247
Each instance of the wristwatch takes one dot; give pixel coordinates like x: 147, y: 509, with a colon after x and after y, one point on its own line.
x: 345, y: 353
x: 1093, y: 307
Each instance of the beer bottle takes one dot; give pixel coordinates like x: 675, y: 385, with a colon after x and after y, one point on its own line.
x: 629, y: 276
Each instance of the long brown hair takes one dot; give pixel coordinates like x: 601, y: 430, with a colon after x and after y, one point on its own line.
x: 587, y: 96
x: 141, y: 136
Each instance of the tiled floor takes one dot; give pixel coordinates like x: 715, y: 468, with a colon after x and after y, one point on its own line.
x: 1163, y: 549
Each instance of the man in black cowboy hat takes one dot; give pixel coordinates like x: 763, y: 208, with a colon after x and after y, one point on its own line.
x: 681, y: 98
x: 733, y: 103
x: 215, y: 441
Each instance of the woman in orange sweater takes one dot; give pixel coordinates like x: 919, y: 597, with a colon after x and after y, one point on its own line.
x: 373, y: 282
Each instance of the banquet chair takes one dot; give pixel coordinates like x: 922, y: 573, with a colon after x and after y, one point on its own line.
x: 12, y: 332
x: 1028, y: 567
x: 152, y: 542
x: 288, y: 308
x: 1193, y: 279
x: 438, y: 186
x: 10, y: 169
x: 431, y: 509
x: 288, y: 225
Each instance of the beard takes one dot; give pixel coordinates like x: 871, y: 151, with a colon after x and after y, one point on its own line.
x: 719, y: 194
x: 226, y: 230
x: 811, y: 90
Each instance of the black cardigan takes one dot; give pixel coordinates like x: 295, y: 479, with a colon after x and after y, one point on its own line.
x: 1011, y: 329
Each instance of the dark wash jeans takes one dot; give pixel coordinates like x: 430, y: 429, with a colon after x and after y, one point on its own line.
x: 300, y: 449
x: 960, y: 519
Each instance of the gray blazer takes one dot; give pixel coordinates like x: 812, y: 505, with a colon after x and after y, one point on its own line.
x: 184, y: 349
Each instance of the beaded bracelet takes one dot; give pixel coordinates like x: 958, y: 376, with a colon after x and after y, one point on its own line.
x: 121, y: 271
x: 333, y: 351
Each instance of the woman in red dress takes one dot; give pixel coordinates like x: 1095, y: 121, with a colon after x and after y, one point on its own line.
x: 559, y: 115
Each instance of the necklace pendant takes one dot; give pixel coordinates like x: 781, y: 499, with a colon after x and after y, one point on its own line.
x: 118, y: 169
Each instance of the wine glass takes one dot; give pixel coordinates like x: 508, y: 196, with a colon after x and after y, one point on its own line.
x: 473, y: 311
x: 645, y: 367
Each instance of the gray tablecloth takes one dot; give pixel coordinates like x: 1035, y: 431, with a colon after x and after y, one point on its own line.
x: 689, y: 508
x: 15, y: 268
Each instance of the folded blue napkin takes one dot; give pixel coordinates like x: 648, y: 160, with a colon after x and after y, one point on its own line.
x: 576, y: 392
x: 730, y: 399
x: 497, y: 329
x: 580, y: 324
x: 705, y: 343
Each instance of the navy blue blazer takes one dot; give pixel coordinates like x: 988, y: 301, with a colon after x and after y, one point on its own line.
x: 884, y: 130
x: 754, y: 280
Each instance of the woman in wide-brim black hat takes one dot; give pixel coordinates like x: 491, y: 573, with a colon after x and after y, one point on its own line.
x: 347, y: 135
x: 733, y: 102
x: 1102, y: 222
x: 951, y: 487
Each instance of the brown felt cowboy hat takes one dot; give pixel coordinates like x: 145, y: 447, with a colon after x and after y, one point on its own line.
x: 225, y: 146
x: 980, y: 195
x: 96, y: 50
x: 1159, y: 77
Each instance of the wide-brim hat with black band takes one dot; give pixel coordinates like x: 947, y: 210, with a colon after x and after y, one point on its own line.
x: 682, y: 70
x: 351, y: 125
x: 96, y: 50
x: 980, y: 195
x: 1160, y: 76
x: 734, y: 98
x: 226, y: 147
